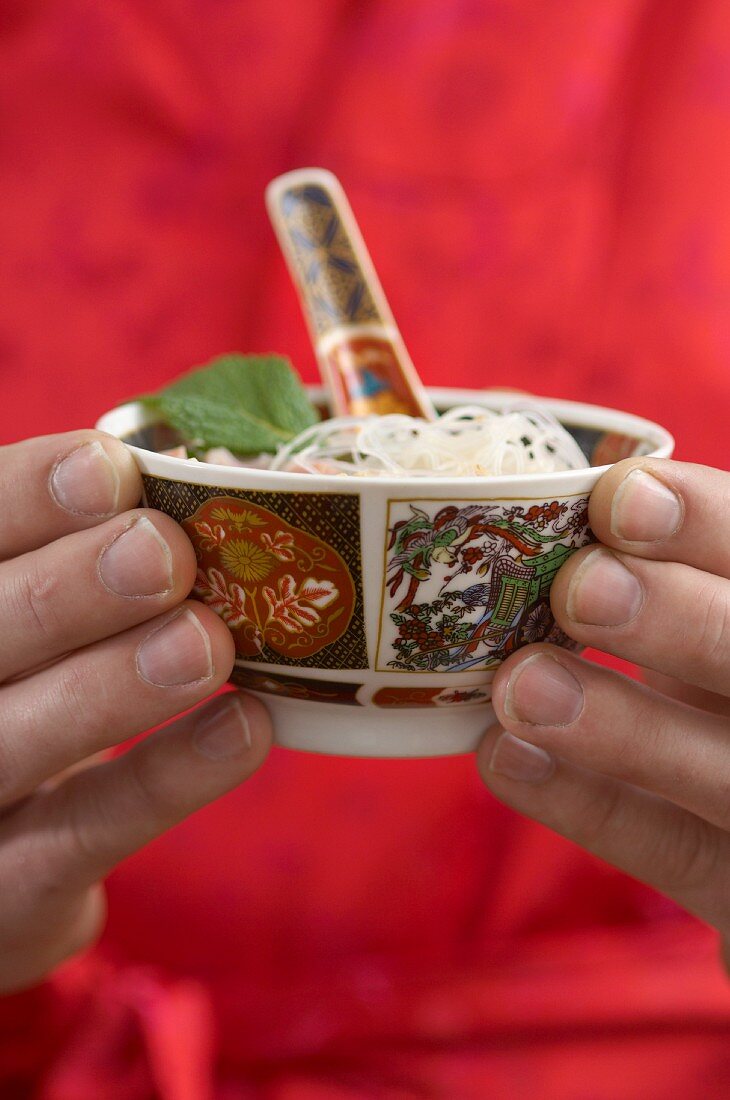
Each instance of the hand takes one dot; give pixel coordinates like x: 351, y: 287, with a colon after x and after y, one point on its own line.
x: 636, y: 777
x: 98, y: 644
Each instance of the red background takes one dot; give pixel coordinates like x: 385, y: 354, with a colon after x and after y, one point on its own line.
x: 544, y: 188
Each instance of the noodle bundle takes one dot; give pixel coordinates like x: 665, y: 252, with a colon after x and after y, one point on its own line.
x: 466, y: 441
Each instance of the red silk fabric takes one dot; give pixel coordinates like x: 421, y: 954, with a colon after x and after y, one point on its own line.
x: 544, y: 191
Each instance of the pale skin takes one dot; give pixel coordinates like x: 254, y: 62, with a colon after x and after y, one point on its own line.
x: 100, y: 644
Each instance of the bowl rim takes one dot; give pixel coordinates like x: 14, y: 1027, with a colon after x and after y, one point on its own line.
x: 577, y: 414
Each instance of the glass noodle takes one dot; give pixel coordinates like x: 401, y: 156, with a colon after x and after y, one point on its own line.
x: 466, y: 441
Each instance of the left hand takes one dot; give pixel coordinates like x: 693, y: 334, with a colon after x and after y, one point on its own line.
x: 638, y: 775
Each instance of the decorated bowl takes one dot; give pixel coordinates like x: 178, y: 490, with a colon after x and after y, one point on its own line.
x: 372, y: 613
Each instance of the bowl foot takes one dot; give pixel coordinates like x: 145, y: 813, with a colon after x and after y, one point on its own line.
x: 370, y: 731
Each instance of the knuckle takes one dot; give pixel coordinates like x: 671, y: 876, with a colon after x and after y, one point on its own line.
x: 55, y: 866
x: 693, y: 852
x: 637, y: 758
x: 158, y: 801
x: 601, y: 817
x: 55, y: 889
x: 714, y: 634
x: 79, y: 706
x: 34, y: 602
x: 75, y: 693
x: 53, y: 877
x: 625, y: 756
x: 74, y: 853
x: 79, y: 848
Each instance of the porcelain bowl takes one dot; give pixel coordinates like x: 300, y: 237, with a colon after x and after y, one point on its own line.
x: 371, y: 614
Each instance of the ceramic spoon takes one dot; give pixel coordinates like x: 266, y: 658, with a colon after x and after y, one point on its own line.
x: 361, y: 354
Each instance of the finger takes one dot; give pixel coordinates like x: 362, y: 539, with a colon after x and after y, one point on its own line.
x: 74, y: 835
x: 102, y: 695
x: 670, y: 511
x: 666, y: 847
x: 669, y: 617
x: 54, y: 850
x: 29, y: 952
x: 56, y: 484
x: 89, y: 585
x: 686, y: 693
x: 600, y: 720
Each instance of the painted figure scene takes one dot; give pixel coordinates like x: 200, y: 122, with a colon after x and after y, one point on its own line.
x: 468, y: 584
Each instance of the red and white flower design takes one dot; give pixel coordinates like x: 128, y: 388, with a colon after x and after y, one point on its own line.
x: 260, y: 574
x: 211, y: 535
x: 281, y: 546
x: 227, y: 600
x: 288, y: 607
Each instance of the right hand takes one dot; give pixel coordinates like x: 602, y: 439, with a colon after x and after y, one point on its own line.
x: 98, y: 643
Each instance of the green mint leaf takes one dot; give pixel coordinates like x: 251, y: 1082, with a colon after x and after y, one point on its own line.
x: 248, y: 403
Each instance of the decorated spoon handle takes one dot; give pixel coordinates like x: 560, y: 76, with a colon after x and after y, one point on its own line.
x: 361, y: 354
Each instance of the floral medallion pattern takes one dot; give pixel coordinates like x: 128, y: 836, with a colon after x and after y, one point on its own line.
x: 467, y: 583
x: 281, y: 569
x: 276, y: 588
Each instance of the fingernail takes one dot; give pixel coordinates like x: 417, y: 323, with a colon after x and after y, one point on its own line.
x: 223, y: 733
x: 603, y: 591
x: 644, y: 509
x: 138, y: 562
x: 542, y: 691
x: 86, y: 482
x: 176, y: 653
x: 516, y: 759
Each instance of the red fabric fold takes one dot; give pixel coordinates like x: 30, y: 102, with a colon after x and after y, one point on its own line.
x: 135, y: 1033
x: 627, y: 1000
